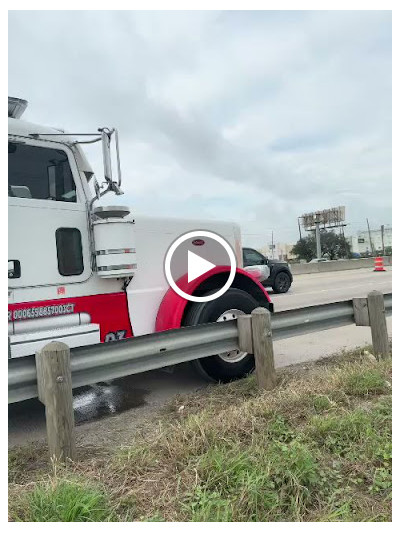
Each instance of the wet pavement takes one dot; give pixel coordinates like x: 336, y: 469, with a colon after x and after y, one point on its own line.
x: 140, y: 393
x: 106, y: 399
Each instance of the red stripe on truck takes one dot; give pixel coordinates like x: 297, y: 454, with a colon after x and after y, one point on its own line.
x: 110, y: 311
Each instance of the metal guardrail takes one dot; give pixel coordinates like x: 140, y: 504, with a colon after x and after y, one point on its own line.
x: 103, y: 362
x: 304, y: 320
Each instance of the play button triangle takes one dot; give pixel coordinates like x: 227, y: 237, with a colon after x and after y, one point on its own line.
x: 197, y: 266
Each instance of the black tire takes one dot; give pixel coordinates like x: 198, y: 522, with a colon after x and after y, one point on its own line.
x: 282, y: 282
x: 214, y: 368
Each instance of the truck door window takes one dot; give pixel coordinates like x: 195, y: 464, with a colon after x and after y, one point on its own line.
x: 251, y: 257
x: 39, y: 173
x: 69, y: 251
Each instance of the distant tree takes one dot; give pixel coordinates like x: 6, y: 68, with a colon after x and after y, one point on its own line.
x: 333, y: 246
x: 305, y: 248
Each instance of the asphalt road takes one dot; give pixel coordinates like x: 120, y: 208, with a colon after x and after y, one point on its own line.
x: 134, y: 397
x: 326, y: 287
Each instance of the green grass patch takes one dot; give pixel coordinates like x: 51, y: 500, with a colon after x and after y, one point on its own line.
x: 256, y: 484
x: 365, y: 382
x: 63, y: 500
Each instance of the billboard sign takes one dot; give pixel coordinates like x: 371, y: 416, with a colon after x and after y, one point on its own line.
x: 327, y: 218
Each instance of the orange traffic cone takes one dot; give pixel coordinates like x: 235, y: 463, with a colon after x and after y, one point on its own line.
x: 379, y: 265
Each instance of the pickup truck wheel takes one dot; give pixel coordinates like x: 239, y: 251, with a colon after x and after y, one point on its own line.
x: 226, y: 366
x: 281, y: 282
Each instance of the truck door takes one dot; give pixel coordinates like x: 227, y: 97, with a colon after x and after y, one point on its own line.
x: 48, y: 226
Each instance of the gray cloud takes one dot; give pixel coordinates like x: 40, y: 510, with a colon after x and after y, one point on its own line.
x: 252, y: 116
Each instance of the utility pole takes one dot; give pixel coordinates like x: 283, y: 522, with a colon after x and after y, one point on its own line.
x: 298, y: 221
x: 318, y: 239
x: 344, y: 242
x: 383, y: 238
x: 370, y: 239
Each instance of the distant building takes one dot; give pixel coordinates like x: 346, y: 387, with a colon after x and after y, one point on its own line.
x: 281, y: 251
x: 360, y: 244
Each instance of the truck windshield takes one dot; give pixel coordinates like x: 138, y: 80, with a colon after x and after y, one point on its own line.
x: 39, y: 173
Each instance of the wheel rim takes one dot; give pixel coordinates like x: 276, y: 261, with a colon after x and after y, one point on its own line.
x: 282, y: 281
x: 233, y: 356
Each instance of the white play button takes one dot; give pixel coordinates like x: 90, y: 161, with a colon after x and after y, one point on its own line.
x: 197, y: 266
x: 194, y: 255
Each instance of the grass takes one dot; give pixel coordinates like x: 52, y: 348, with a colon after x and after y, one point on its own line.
x: 364, y: 382
x: 63, y: 500
x: 317, y: 448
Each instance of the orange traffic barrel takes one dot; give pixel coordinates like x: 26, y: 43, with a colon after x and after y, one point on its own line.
x: 379, y: 265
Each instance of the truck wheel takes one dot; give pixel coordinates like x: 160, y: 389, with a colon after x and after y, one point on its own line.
x: 226, y: 366
x: 281, y: 282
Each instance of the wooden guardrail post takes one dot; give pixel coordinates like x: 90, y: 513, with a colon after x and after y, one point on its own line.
x: 263, y: 348
x: 245, y: 333
x: 55, y: 392
x: 360, y: 310
x: 377, y: 321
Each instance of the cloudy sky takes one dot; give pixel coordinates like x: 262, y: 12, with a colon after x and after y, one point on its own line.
x: 252, y: 116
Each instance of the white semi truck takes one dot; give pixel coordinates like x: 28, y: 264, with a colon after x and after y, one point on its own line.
x: 83, y: 274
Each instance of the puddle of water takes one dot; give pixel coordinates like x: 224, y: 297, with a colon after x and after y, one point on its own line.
x: 106, y: 399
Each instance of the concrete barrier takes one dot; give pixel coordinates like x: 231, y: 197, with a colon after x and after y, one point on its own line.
x: 335, y: 266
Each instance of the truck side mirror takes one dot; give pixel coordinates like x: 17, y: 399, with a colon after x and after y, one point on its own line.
x: 105, y: 141
x: 106, y: 135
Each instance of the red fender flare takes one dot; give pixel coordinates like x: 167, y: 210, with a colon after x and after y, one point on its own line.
x: 172, y: 307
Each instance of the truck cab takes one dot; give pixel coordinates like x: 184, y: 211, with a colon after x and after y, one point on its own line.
x: 278, y: 275
x: 85, y: 274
